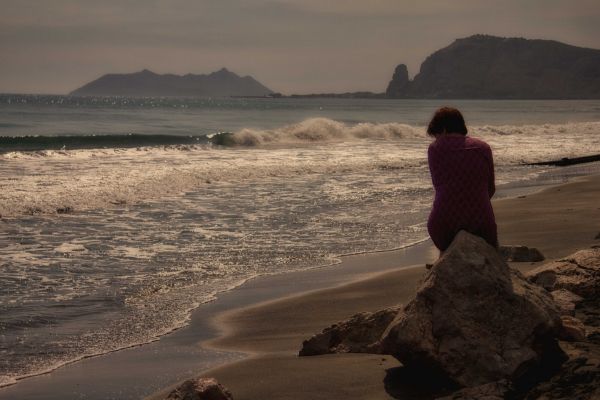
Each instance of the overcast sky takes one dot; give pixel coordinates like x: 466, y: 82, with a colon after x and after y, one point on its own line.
x: 292, y: 46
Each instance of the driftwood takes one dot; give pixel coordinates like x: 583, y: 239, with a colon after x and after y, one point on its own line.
x: 563, y: 162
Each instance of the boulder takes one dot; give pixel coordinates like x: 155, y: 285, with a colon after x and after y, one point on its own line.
x: 200, y: 389
x: 520, y: 254
x: 578, y: 273
x: 359, y: 334
x: 476, y: 321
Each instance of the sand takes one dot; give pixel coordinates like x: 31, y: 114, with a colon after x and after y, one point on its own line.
x: 558, y: 221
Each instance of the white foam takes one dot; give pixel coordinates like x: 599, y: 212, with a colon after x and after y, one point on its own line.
x: 44, y: 182
x: 317, y: 130
x: 70, y: 248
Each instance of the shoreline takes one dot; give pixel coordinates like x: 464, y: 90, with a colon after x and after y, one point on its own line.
x: 276, y: 355
x: 248, y: 291
x: 75, y: 376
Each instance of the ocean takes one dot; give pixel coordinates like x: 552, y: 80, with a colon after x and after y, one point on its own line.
x: 120, y: 216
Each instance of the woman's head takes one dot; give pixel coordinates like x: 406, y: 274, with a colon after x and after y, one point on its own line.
x: 447, y: 120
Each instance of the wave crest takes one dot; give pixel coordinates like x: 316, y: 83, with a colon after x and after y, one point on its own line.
x: 317, y: 130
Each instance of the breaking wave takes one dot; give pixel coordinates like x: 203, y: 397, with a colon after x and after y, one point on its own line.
x: 317, y: 130
x: 309, y: 131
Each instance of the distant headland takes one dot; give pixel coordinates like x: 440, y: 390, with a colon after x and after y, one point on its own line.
x: 222, y: 83
x: 489, y: 67
x: 476, y: 67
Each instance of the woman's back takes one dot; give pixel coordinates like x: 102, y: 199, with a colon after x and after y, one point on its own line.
x: 462, y: 172
x: 461, y: 166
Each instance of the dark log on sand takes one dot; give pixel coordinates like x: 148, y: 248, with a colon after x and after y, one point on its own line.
x: 563, y: 162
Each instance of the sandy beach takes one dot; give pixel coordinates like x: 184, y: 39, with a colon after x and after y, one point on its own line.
x: 557, y: 220
x: 259, y: 327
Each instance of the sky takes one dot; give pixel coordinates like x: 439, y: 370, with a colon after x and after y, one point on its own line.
x: 291, y: 46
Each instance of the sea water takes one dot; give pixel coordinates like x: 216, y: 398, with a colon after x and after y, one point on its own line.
x: 119, y: 216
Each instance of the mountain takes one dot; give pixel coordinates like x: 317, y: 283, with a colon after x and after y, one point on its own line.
x: 222, y: 83
x: 483, y: 66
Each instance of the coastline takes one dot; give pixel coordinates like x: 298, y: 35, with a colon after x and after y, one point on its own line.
x: 558, y: 220
x: 257, y: 294
x: 138, y: 371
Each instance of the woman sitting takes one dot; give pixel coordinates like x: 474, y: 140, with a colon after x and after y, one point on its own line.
x: 462, y: 171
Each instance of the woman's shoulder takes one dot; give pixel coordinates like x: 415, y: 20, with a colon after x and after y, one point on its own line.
x: 476, y: 142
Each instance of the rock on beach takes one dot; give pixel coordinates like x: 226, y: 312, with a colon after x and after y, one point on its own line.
x: 200, y: 389
x: 476, y: 321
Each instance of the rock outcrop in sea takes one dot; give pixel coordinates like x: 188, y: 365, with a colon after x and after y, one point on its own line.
x: 489, y: 67
x: 485, y: 327
x: 222, y: 83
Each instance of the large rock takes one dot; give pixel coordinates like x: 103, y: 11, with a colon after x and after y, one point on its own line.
x: 476, y: 321
x: 578, y: 273
x: 359, y: 334
x: 200, y: 389
x: 399, y: 82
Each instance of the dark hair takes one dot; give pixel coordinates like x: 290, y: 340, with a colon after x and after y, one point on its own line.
x: 447, y: 120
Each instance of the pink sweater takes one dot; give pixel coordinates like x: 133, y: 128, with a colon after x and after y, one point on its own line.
x: 462, y: 171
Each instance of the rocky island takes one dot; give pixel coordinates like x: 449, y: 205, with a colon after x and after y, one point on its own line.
x: 489, y: 67
x: 222, y: 83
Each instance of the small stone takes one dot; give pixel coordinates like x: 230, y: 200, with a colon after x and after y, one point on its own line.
x: 520, y: 254
x: 200, y: 389
x: 490, y: 391
x: 566, y: 301
x: 572, y: 329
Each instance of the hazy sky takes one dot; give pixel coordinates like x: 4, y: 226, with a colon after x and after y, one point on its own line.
x: 292, y: 46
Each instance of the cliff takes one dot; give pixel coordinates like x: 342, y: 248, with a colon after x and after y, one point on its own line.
x: 222, y: 83
x: 483, y: 66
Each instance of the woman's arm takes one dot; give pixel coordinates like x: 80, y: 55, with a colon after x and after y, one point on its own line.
x: 491, y: 183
